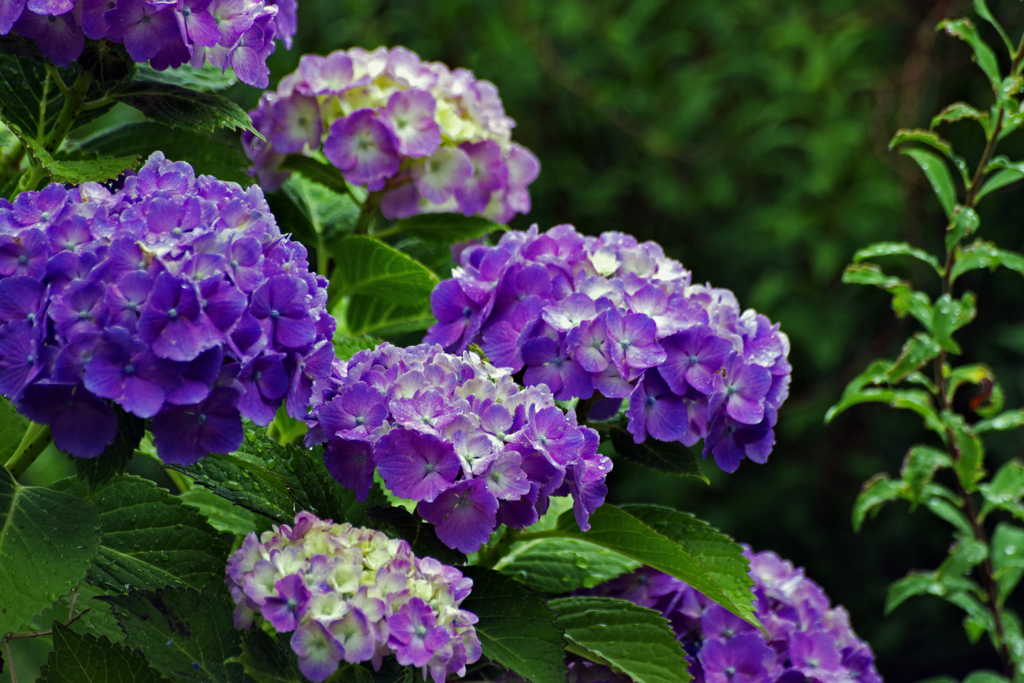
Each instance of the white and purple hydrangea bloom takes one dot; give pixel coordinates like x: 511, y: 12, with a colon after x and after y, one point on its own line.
x: 175, y: 297
x: 352, y: 594
x: 607, y: 319
x: 238, y: 34
x: 810, y: 641
x: 458, y: 436
x: 428, y: 138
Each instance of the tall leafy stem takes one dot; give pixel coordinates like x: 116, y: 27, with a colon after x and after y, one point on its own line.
x: 932, y: 398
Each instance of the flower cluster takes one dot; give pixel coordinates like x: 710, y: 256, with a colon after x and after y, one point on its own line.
x: 353, y: 594
x: 810, y: 640
x: 434, y: 140
x: 175, y: 297
x: 607, y: 318
x: 459, y: 436
x: 236, y: 34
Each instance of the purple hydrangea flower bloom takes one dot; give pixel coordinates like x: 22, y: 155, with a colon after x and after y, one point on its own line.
x: 458, y: 436
x: 166, y: 33
x: 810, y: 640
x: 607, y: 318
x: 428, y: 139
x: 175, y: 297
x: 346, y: 592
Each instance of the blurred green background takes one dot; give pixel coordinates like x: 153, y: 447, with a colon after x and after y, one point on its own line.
x: 750, y: 139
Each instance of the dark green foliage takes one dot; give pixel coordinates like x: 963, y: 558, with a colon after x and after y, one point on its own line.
x: 87, y: 659
x: 399, y: 523
x: 47, y: 540
x: 668, y: 457
x: 180, y: 107
x: 516, y: 628
x: 186, y: 634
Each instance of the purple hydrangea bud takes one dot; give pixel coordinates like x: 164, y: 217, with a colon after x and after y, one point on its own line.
x: 166, y: 33
x: 353, y: 594
x: 458, y: 436
x: 598, y: 318
x: 188, y: 279
x: 428, y: 139
x: 809, y: 639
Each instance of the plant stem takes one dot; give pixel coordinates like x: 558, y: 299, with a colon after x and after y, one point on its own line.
x: 367, y: 213
x: 987, y: 579
x: 37, y: 438
x: 10, y: 661
x: 73, y: 104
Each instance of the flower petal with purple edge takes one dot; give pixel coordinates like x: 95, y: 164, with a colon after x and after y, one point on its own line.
x: 318, y: 652
x: 463, y: 516
x: 741, y: 389
x: 693, y: 358
x: 285, y: 608
x: 439, y: 175
x: 745, y: 657
x: 414, y: 634
x: 409, y: 115
x: 489, y: 174
x: 654, y: 410
x: 59, y: 38
x: 415, y: 465
x: 19, y: 357
x: 361, y: 146
x: 10, y: 10
x: 172, y: 322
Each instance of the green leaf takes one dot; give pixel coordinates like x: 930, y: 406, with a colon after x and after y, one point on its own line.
x: 904, y: 298
x: 932, y: 139
x: 1005, y: 490
x: 25, y: 86
x: 180, y: 107
x: 208, y: 155
x: 663, y: 456
x: 636, y: 640
x: 969, y: 464
x: 516, y: 628
x: 560, y: 565
x: 896, y: 249
x: 1007, y: 557
x: 985, y: 676
x: 675, y: 543
x: 265, y: 660
x: 446, y: 228
x: 208, y: 78
x: 186, y: 634
x: 917, y: 351
x: 919, y: 468
x: 363, y: 314
x: 77, y: 172
x: 316, y: 171
x: 959, y: 111
x: 949, y: 315
x: 364, y: 265
x: 984, y: 56
x: 1012, y: 419
x: 963, y: 223
x: 115, y: 458
x: 151, y: 539
x: 876, y: 492
x: 911, y: 585
x: 937, y: 172
x: 12, y: 428
x: 219, y: 512
x: 87, y: 659
x: 982, y: 254
x: 327, y: 212
x: 982, y: 9
x: 264, y: 492
x: 1002, y: 179
x: 909, y: 399
x: 346, y: 347
x: 400, y: 523
x: 47, y: 540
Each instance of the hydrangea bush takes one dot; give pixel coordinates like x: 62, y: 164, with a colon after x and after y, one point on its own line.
x: 174, y: 297
x: 460, y: 437
x: 602, y: 319
x: 807, y: 639
x: 429, y: 139
x: 353, y: 594
x: 347, y: 507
